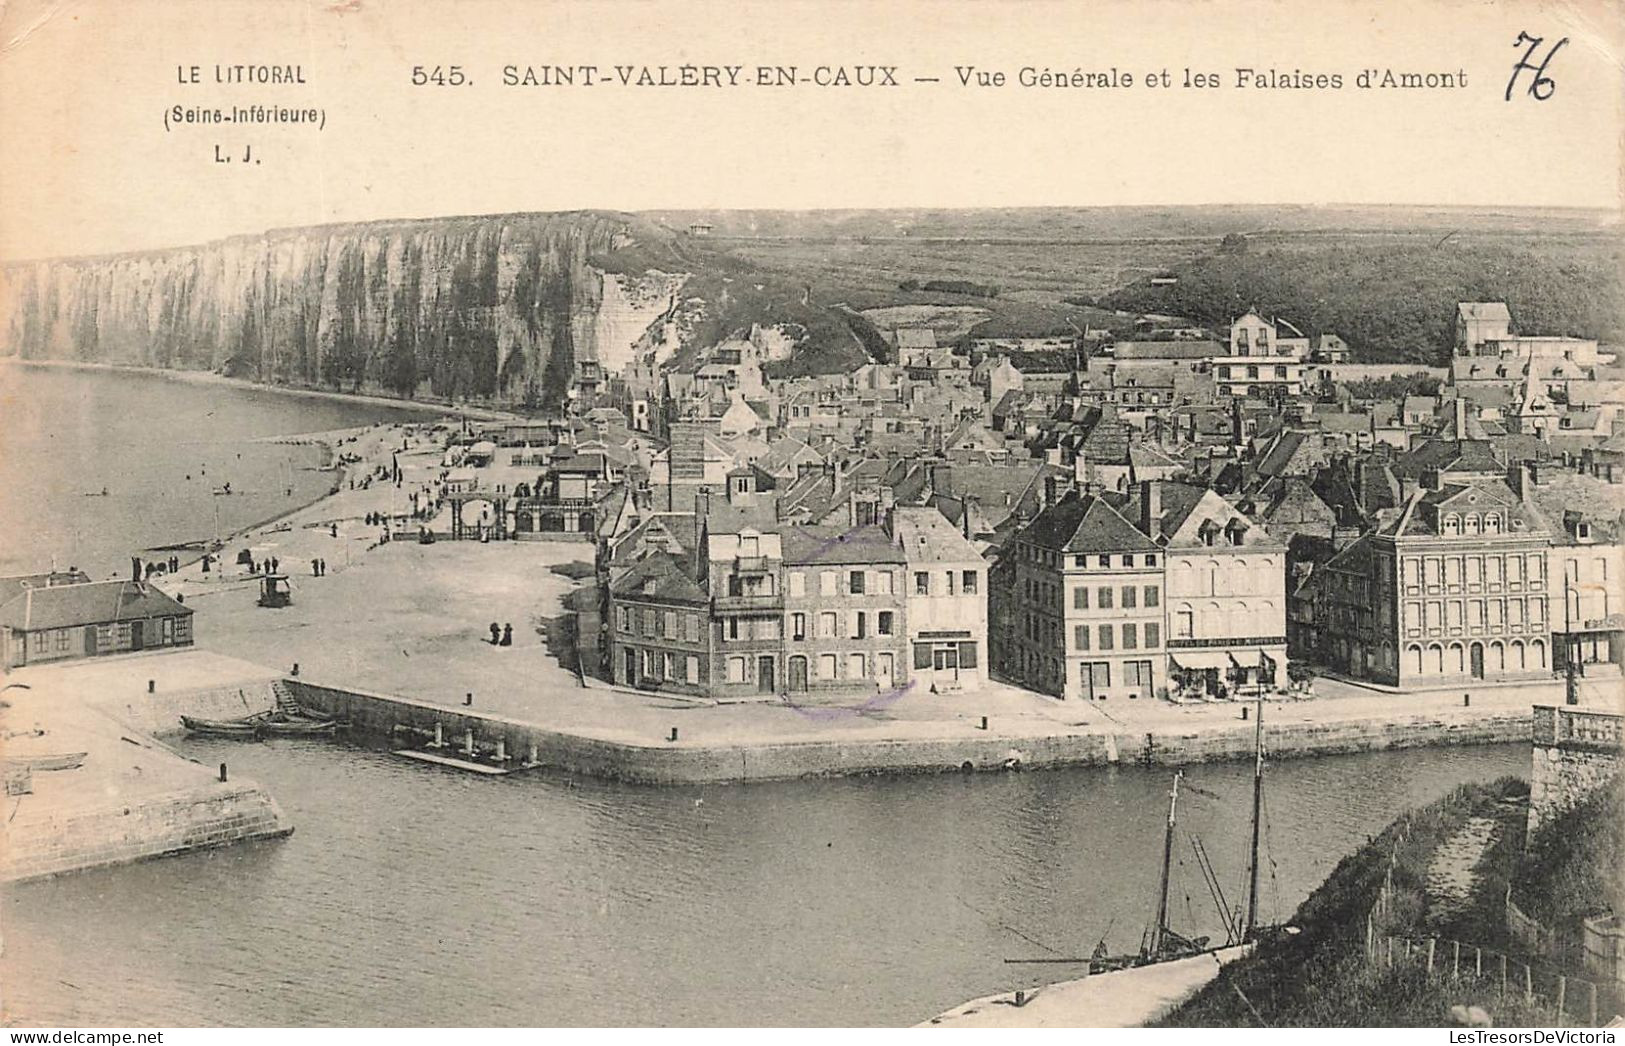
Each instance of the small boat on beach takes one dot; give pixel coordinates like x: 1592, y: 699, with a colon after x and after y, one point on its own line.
x: 67, y: 761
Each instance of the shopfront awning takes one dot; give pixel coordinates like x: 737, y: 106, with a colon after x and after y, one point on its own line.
x: 1201, y: 659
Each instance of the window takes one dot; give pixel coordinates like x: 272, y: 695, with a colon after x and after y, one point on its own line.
x: 1131, y: 637
x: 691, y: 627
x: 766, y: 628
x: 922, y: 655
x: 623, y: 619
x: 1103, y: 634
x: 648, y: 622
x: 1080, y: 598
x: 736, y: 670
x: 1150, y: 596
x: 826, y: 583
x: 855, y: 583
x: 860, y: 625
x: 798, y: 583
x: 883, y: 582
x: 1130, y: 597
x: 1105, y: 599
x: 1185, y: 623
x: 61, y: 640
x: 883, y: 623
x: 1128, y: 560
x: 1153, y: 635
x: 670, y: 667
x: 827, y: 666
x: 826, y: 624
x: 1080, y: 637
x: 968, y: 583
x: 922, y: 583
x: 668, y: 624
x: 798, y: 626
x: 855, y: 668
x: 651, y: 664
x: 691, y: 669
x: 733, y: 628
x: 1105, y: 561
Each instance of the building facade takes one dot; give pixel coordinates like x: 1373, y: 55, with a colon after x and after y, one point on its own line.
x: 946, y: 600
x: 60, y: 622
x: 1452, y: 588
x: 844, y: 612
x: 1084, y: 616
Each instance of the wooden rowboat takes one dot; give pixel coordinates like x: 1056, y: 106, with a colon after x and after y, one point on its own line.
x: 245, y: 727
x: 296, y: 726
x: 67, y: 761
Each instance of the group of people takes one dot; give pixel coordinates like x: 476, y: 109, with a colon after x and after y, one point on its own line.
x: 501, y: 636
x: 318, y: 567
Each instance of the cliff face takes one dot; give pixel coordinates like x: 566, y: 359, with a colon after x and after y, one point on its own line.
x: 499, y: 309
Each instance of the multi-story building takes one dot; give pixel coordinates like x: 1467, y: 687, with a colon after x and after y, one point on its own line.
x: 660, y: 627
x: 1226, y: 588
x: 1452, y: 587
x: 946, y: 600
x: 1083, y: 617
x: 741, y: 555
x: 1587, y: 564
x: 1259, y: 362
x: 844, y: 611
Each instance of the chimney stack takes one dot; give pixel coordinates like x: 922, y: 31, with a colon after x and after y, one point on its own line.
x: 1049, y: 491
x: 1461, y: 417
x: 1151, y: 507
x: 135, y: 568
x: 1518, y: 480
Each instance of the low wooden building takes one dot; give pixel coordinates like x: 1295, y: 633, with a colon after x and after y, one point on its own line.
x: 62, y: 622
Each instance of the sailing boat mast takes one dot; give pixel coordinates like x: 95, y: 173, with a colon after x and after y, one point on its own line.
x: 1154, y: 945
x: 1258, y: 805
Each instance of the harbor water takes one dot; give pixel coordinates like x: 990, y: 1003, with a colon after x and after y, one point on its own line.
x: 412, y: 895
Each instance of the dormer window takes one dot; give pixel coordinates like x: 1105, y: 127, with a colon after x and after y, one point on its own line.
x: 1492, y: 523
x: 1450, y: 525
x: 648, y: 586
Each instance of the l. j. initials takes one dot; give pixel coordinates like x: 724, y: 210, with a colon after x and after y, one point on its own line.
x: 1542, y: 86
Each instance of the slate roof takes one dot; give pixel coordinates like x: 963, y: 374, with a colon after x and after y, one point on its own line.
x: 1085, y: 524
x: 671, y: 583
x: 16, y: 584
x: 808, y: 545
x: 90, y: 603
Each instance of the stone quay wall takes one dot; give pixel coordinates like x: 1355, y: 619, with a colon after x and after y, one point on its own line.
x: 159, y: 714
x: 688, y: 763
x: 1576, y: 751
x: 195, y: 818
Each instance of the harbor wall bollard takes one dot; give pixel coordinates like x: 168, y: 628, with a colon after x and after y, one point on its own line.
x: 673, y: 736
x: 533, y: 760
x: 502, y: 749
x: 468, y: 699
x: 984, y: 722
x: 152, y: 686
x: 1244, y: 711
x: 222, y: 773
x: 439, y: 735
x: 296, y: 668
x: 468, y: 741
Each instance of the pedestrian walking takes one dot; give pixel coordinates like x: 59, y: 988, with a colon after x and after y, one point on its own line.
x: 496, y: 633
x: 315, y: 568
x: 507, y: 635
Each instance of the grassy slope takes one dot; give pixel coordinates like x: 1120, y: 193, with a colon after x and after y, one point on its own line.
x: 1574, y: 859
x: 1318, y: 978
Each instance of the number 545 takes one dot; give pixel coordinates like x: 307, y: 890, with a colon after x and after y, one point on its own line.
x: 440, y: 76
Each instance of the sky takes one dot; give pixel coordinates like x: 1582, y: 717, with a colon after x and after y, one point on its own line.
x: 92, y: 160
